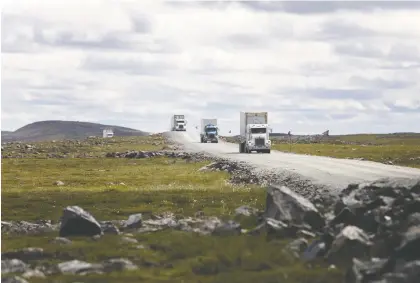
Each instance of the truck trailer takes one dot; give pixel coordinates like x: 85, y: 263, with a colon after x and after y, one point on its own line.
x: 254, y: 132
x: 178, y: 123
x: 209, y: 131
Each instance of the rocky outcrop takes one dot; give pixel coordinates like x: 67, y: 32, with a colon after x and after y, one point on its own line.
x: 372, y: 231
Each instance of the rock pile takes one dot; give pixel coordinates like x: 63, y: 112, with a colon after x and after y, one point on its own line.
x: 372, y: 231
x: 243, y: 173
x: 73, y: 148
x: 194, y: 157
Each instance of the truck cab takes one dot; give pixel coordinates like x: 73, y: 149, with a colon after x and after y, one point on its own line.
x: 210, y: 134
x: 180, y: 125
x: 258, y: 138
x: 254, y: 132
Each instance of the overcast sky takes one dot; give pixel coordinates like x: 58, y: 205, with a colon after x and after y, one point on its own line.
x: 347, y: 67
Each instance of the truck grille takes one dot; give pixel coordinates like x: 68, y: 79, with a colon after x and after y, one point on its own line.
x: 211, y: 136
x: 181, y: 126
x: 260, y: 141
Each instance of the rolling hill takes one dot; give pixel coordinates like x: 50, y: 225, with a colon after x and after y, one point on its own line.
x: 59, y: 130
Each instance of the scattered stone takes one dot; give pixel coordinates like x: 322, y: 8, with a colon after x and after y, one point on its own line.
x: 228, y: 228
x: 27, y: 228
x: 245, y: 210
x: 96, y: 237
x: 78, y: 267
x: 284, y: 205
x: 199, y: 214
x: 59, y: 183
x: 61, y: 241
x: 129, y: 240
x: 14, y: 279
x: 297, y: 246
x: 118, y: 264
x: 33, y: 273
x: 352, y: 242
x: 78, y: 222
x: 13, y: 266
x: 109, y: 228
x: 134, y: 221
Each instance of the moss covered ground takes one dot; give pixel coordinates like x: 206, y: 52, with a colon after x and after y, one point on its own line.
x: 113, y: 188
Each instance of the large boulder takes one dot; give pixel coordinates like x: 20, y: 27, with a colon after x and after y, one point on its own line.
x: 287, y: 206
x: 349, y: 243
x: 78, y: 222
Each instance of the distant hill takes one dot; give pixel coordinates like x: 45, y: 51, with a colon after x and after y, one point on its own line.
x: 59, y: 130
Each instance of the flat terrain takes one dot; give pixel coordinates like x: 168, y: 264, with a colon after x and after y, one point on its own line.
x: 397, y: 149
x: 333, y: 172
x: 114, y: 188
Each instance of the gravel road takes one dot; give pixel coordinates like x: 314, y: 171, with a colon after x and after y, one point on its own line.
x: 326, y: 171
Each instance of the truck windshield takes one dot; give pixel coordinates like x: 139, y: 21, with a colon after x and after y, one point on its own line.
x: 258, y: 130
x: 208, y: 130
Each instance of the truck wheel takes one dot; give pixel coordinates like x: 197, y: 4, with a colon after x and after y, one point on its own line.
x: 268, y: 151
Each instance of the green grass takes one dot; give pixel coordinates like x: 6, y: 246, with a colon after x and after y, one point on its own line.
x: 398, y: 153
x: 113, y: 188
x: 88, y: 147
x: 400, y: 149
x: 173, y: 256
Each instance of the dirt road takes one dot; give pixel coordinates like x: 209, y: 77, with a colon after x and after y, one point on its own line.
x: 327, y: 171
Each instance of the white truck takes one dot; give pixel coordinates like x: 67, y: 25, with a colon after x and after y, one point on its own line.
x: 209, y: 131
x: 178, y: 123
x: 254, y: 132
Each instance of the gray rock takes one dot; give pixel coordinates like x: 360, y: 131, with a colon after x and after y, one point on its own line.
x: 297, y: 246
x: 118, y: 264
x: 314, y: 250
x: 33, y: 273
x: 365, y: 271
x: 14, y: 279
x: 59, y: 183
x: 162, y: 222
x: 13, y: 266
x: 245, y: 210
x: 78, y: 267
x: 109, y: 228
x: 285, y: 205
x: 133, y: 221
x: 228, y: 228
x: 129, y: 240
x: 208, y: 225
x: 61, y: 241
x: 27, y: 228
x: 410, y: 245
x: 78, y: 222
x: 349, y: 243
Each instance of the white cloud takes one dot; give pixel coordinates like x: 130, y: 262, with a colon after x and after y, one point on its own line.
x: 313, y: 67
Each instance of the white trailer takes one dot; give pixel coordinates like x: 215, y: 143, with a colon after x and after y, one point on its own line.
x: 209, y: 131
x: 107, y: 133
x: 254, y: 132
x: 178, y: 123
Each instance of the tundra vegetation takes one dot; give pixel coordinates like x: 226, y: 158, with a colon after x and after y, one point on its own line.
x: 398, y: 149
x: 40, y: 179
